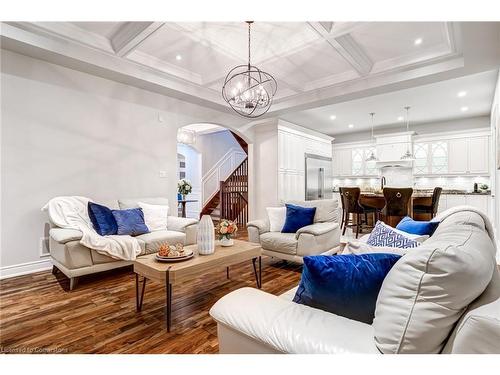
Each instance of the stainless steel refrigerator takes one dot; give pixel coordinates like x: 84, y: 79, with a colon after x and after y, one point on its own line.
x: 319, y: 177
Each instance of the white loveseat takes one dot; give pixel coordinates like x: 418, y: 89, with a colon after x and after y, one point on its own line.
x: 322, y: 237
x: 73, y: 259
x: 441, y: 297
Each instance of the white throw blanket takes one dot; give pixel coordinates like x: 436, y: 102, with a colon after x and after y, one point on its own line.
x: 71, y: 213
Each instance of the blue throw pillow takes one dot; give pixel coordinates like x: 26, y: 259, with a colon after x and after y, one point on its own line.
x: 409, y: 225
x: 130, y: 221
x: 102, y: 219
x: 384, y: 235
x: 297, y: 217
x: 346, y: 285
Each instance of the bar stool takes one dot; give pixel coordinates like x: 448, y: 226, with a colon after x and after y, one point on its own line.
x: 432, y: 209
x: 351, y: 205
x: 396, y: 204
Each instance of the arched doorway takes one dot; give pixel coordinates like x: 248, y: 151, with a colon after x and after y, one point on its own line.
x: 220, y: 180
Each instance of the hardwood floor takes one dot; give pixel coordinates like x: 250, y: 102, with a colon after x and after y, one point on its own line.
x: 38, y: 313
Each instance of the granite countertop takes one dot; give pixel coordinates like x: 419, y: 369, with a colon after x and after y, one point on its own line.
x: 426, y: 192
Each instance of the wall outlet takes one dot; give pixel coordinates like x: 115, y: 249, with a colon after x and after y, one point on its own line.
x: 163, y: 174
x: 43, y: 247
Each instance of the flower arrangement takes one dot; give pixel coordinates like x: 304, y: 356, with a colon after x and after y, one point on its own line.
x: 184, y: 186
x: 226, y: 229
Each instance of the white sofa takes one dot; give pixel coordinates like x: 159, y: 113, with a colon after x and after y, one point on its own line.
x: 74, y: 260
x: 441, y: 297
x: 322, y: 237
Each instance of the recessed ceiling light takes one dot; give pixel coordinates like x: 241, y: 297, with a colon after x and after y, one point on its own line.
x: 178, y: 57
x: 333, y: 117
x: 461, y: 94
x: 401, y: 118
x: 350, y: 126
x: 418, y: 41
x: 464, y: 109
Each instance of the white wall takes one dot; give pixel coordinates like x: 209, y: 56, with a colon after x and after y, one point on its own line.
x: 495, y: 126
x: 70, y: 133
x: 213, y: 146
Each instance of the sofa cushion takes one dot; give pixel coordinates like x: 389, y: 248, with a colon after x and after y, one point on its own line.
x: 155, y: 216
x: 384, y: 235
x: 154, y: 240
x: 346, y: 285
x: 102, y: 219
x: 277, y: 217
x: 428, y: 290
x: 134, y: 202
x: 130, y: 221
x: 478, y: 331
x: 422, y: 228
x: 280, y: 242
x: 326, y: 209
x: 298, y: 217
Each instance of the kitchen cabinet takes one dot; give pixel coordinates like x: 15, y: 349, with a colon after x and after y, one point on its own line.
x: 342, y: 162
x: 292, y: 147
x: 431, y: 158
x: 481, y: 202
x: 468, y: 155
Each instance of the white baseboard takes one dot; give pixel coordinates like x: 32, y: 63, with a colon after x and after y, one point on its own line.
x: 25, y: 268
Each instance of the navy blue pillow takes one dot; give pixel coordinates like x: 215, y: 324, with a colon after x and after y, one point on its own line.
x: 408, y: 225
x: 297, y: 217
x: 102, y: 219
x: 346, y: 285
x: 130, y: 221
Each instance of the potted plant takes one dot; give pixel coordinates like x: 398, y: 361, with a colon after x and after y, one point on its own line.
x: 184, y: 187
x: 226, y: 229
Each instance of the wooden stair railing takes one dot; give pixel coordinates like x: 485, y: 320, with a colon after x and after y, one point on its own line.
x: 234, y: 195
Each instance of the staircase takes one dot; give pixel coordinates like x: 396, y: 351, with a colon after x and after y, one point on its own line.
x: 231, y: 200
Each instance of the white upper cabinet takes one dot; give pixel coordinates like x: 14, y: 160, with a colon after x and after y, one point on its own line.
x: 457, y: 156
x: 478, y: 152
x: 342, y: 162
x: 468, y: 155
x: 430, y: 157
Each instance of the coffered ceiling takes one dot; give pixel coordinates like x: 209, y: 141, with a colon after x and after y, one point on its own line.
x: 315, y: 63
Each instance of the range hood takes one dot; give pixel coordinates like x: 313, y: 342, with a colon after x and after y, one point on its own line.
x: 390, y: 148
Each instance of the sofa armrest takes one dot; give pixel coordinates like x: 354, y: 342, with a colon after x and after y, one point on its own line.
x: 317, y: 229
x: 288, y: 327
x: 62, y: 235
x: 180, y: 224
x: 261, y: 225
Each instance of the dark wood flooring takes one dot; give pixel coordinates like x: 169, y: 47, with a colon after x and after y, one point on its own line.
x: 38, y: 313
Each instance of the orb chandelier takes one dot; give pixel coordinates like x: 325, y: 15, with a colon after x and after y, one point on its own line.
x: 247, y: 89
x: 408, y: 156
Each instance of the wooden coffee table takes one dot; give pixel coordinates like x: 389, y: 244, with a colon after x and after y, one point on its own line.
x: 174, y: 273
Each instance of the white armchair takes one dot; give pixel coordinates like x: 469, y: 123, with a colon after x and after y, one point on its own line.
x: 322, y: 237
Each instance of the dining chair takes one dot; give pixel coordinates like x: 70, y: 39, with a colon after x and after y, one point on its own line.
x: 350, y: 202
x: 432, y: 209
x: 397, y: 201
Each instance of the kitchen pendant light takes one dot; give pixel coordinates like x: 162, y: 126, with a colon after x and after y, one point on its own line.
x: 372, y: 157
x: 407, y: 155
x: 247, y: 89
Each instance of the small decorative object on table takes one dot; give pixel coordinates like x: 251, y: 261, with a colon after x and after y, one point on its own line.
x: 226, y: 229
x: 206, y: 236
x: 483, y: 187
x: 167, y: 253
x: 184, y: 187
